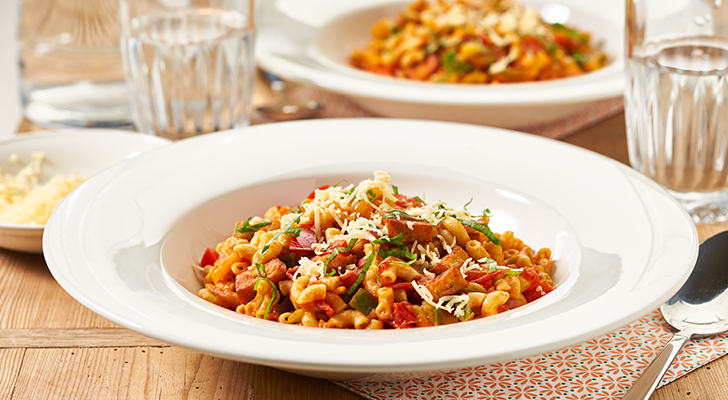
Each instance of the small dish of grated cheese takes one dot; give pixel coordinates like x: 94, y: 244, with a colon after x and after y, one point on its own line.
x: 39, y: 169
x: 23, y: 200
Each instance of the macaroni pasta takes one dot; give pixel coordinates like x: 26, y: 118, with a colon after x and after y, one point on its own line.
x: 368, y: 257
x: 475, y: 41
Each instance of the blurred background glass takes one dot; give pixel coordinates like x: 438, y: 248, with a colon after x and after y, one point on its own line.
x: 676, y: 100
x: 70, y: 64
x: 189, y: 64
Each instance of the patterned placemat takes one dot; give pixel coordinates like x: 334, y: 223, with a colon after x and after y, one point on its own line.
x: 337, y: 106
x: 599, y: 369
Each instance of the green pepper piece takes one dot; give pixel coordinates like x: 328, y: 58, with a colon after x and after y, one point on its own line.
x: 434, y: 314
x: 475, y: 287
x: 363, y: 301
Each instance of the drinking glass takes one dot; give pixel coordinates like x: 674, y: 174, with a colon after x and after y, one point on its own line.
x: 70, y: 64
x: 676, y: 100
x: 189, y: 64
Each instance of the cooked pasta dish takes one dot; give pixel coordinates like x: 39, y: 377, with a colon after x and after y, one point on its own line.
x: 369, y: 257
x: 475, y: 41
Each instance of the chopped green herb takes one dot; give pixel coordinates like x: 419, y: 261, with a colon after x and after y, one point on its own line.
x: 289, y: 230
x: 509, y: 271
x: 273, y: 297
x: 485, y: 260
x: 360, y: 279
x: 398, y: 214
x: 482, y: 227
x: 371, y: 196
x: 395, y: 189
x: 402, y: 251
x: 252, y: 228
x: 336, y: 252
x: 403, y: 262
x: 396, y: 240
x: 453, y: 64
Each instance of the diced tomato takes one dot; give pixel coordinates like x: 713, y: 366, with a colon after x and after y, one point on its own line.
x: 533, y: 293
x: 273, y: 316
x: 209, y: 257
x: 381, y: 70
x: 533, y: 43
x: 568, y: 42
x: 337, y: 243
x: 561, y: 39
x: 360, y: 263
x: 326, y: 307
x: 530, y: 275
x: 424, y: 69
x: 404, y: 202
x: 349, y: 277
x: 313, y: 192
x: 404, y: 315
x: 484, y: 38
x: 502, y: 308
x: 538, y: 287
x: 402, y: 285
x: 484, y: 278
x: 304, y: 241
x: 291, y: 272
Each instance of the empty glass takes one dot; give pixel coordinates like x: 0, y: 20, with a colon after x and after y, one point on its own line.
x: 189, y: 65
x: 676, y: 100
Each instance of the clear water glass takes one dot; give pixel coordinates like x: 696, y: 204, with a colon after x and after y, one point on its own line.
x: 189, y: 65
x: 676, y: 100
x: 70, y: 64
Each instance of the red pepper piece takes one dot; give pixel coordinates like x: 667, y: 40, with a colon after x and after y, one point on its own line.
x: 404, y: 315
x: 303, y: 243
x: 209, y: 257
x: 484, y: 279
x: 533, y: 292
x: 313, y: 192
x: 325, y: 307
x: 349, y: 277
x: 402, y: 285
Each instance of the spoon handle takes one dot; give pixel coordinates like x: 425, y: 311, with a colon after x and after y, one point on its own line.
x: 646, y: 384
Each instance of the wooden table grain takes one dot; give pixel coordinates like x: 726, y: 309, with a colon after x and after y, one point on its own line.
x: 51, y: 347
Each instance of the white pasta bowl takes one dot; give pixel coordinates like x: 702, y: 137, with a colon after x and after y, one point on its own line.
x: 83, y: 152
x: 310, y: 42
x: 621, y: 244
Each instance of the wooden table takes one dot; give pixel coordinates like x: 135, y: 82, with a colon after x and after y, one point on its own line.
x: 51, y: 347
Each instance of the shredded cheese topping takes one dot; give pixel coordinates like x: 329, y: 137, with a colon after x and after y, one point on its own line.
x: 455, y: 304
x: 24, y: 201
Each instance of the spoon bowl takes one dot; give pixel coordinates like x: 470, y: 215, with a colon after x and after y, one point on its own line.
x: 698, y: 309
x: 283, y: 107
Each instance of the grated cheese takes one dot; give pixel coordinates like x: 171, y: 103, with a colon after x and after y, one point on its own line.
x: 455, y: 304
x: 312, y: 269
x: 24, y: 201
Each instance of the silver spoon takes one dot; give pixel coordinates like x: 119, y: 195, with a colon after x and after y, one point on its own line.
x: 699, y: 308
x: 283, y: 108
